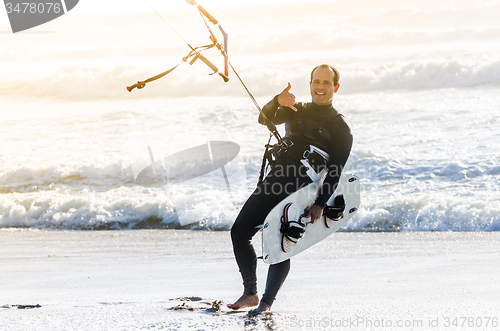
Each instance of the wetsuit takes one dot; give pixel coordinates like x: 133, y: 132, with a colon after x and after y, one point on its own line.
x: 312, y: 125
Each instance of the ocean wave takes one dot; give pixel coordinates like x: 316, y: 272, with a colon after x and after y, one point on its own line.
x: 127, y: 207
x: 422, y: 73
x: 380, y: 169
x: 428, y: 212
x: 33, y: 179
x: 395, y: 197
x: 367, y: 165
x: 148, y: 209
x: 380, y: 46
x: 109, y: 82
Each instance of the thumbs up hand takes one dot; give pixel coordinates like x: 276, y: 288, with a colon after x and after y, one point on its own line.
x: 287, y: 99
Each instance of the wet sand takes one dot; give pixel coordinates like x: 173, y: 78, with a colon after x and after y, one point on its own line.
x: 132, y: 280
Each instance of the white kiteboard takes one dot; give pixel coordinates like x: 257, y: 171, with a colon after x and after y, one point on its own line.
x: 303, y: 199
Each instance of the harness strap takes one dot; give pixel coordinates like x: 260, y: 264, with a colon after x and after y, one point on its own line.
x: 266, y: 158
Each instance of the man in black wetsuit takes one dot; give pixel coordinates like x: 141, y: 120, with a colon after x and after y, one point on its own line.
x: 320, y: 142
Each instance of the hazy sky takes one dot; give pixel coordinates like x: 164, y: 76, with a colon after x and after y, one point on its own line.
x: 89, y: 6
x: 86, y: 7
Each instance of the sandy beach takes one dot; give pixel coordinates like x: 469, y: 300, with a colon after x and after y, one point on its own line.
x: 85, y: 246
x: 133, y: 280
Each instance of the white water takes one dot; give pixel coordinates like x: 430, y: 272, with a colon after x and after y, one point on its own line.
x: 419, y: 86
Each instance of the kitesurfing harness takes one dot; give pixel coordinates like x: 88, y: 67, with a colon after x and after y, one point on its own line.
x: 316, y: 136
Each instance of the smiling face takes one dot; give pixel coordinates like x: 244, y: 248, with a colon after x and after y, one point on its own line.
x: 323, y: 86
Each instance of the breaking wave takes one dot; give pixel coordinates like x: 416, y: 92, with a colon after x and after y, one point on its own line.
x: 395, y: 197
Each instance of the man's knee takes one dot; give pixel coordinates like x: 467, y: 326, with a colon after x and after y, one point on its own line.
x: 239, y: 234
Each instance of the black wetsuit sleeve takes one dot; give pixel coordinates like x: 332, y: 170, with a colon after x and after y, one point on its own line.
x: 340, y: 149
x: 274, y: 112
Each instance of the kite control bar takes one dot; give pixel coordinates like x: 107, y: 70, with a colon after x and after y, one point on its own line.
x: 195, y: 56
x: 211, y: 19
x: 195, y: 52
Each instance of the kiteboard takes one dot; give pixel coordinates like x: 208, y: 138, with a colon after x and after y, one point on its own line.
x: 343, y: 205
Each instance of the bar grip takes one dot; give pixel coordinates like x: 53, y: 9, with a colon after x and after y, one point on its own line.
x: 195, y: 58
x: 208, y: 63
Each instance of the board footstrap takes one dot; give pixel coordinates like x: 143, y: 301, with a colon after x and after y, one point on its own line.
x: 292, y: 228
x: 336, y: 212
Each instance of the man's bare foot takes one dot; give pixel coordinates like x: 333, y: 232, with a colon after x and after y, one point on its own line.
x: 244, y: 301
x: 262, y: 308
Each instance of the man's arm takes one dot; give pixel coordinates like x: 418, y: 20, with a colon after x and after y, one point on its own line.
x: 276, y: 110
x: 339, y: 153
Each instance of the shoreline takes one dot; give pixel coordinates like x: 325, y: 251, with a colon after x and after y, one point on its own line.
x: 126, y: 279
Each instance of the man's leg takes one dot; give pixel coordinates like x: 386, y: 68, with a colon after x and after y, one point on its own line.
x: 242, y: 232
x: 276, y: 187
x: 275, y: 278
x: 278, y: 272
x: 253, y: 214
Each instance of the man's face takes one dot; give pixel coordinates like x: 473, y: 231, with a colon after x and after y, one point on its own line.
x: 322, y: 88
